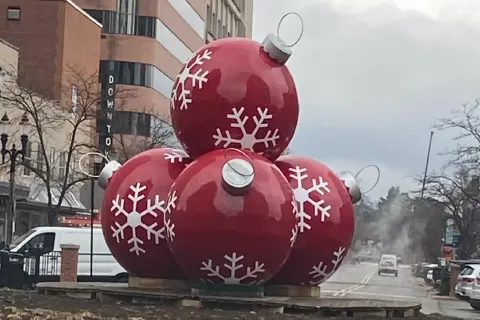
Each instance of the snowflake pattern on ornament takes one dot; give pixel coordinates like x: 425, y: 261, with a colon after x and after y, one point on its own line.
x: 247, y: 140
x: 192, y: 71
x: 293, y: 238
x: 319, y: 272
x: 134, y: 218
x: 176, y: 155
x: 234, y: 265
x: 303, y: 196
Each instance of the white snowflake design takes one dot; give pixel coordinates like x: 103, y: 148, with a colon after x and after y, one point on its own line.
x: 247, y: 140
x: 197, y: 78
x: 176, y: 155
x: 303, y: 196
x: 233, y: 264
x: 167, y: 222
x: 319, y: 273
x: 293, y: 238
x: 134, y: 218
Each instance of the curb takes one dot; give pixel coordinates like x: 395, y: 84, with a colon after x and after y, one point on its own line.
x: 437, y: 297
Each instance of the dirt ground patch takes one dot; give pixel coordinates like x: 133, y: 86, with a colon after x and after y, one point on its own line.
x: 24, y: 305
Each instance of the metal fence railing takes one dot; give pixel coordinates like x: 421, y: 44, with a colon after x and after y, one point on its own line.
x: 47, y: 267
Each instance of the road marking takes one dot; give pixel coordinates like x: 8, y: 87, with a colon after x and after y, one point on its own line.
x: 376, y: 294
x: 344, y: 292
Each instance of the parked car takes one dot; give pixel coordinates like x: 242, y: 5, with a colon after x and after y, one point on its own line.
x: 465, y: 281
x: 433, y: 275
x: 45, y: 242
x: 475, y: 294
x: 388, y: 264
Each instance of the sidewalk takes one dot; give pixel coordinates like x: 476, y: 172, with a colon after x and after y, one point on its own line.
x: 449, y: 306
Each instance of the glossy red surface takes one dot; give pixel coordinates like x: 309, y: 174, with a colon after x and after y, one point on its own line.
x: 235, y: 81
x: 324, y: 234
x: 142, y: 184
x: 246, y: 237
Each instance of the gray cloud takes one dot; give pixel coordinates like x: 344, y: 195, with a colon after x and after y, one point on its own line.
x: 372, y: 80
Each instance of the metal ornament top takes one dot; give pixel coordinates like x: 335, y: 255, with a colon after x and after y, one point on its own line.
x: 276, y: 48
x: 106, y: 173
x: 237, y: 173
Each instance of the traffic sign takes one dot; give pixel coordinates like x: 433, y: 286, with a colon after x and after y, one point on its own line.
x: 452, y: 235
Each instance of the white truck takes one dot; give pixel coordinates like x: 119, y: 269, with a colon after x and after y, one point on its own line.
x: 45, y: 242
x: 388, y: 263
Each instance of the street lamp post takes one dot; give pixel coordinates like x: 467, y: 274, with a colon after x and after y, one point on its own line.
x: 13, y: 154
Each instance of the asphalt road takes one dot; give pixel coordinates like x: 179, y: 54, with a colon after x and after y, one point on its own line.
x: 361, y: 281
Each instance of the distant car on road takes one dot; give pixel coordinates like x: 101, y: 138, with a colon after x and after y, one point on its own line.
x: 388, y: 264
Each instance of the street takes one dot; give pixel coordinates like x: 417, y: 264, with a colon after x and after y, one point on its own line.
x: 361, y: 281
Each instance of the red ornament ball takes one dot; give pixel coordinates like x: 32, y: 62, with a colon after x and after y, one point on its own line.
x: 133, y: 206
x: 231, y: 226
x: 326, y: 222
x: 232, y: 94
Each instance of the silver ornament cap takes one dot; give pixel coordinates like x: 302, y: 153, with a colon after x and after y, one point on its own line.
x: 352, y: 187
x: 107, y: 173
x: 277, y: 49
x: 237, y: 176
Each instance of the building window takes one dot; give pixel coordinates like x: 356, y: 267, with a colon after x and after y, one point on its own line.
x: 40, y: 158
x: 71, y: 172
x: 137, y: 74
x: 51, y: 162
x: 209, y: 18
x: 126, y: 21
x: 117, y: 23
x: 96, y: 14
x: 28, y: 159
x: 62, y: 165
x: 130, y: 123
x: 127, y: 6
x: 241, y: 32
x: 240, y: 4
x: 13, y: 13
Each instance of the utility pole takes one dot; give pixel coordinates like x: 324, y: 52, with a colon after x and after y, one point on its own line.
x: 426, y: 164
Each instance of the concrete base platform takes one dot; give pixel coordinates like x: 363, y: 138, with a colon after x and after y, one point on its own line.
x: 292, y: 291
x: 158, y: 284
x: 223, y: 290
x: 307, y: 305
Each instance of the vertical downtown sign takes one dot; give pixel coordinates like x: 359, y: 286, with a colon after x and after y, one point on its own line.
x: 106, y: 115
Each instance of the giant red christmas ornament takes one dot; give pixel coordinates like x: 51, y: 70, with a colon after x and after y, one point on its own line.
x: 234, y: 218
x: 133, y: 209
x: 238, y: 93
x: 326, y: 221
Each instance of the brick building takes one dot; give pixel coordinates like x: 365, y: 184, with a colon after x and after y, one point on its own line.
x: 144, y: 43
x: 52, y: 36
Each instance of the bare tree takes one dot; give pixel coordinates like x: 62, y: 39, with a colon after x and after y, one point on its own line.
x: 156, y: 133
x: 458, y: 193
x: 61, y: 133
x: 465, y: 122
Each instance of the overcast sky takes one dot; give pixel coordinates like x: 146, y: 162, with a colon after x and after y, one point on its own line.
x: 373, y: 76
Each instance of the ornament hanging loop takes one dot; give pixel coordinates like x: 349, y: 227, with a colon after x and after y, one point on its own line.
x: 301, y: 30
x: 376, y: 181
x: 246, y: 158
x: 82, y: 158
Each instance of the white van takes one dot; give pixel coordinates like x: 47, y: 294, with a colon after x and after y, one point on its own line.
x: 388, y: 264
x: 46, y: 241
